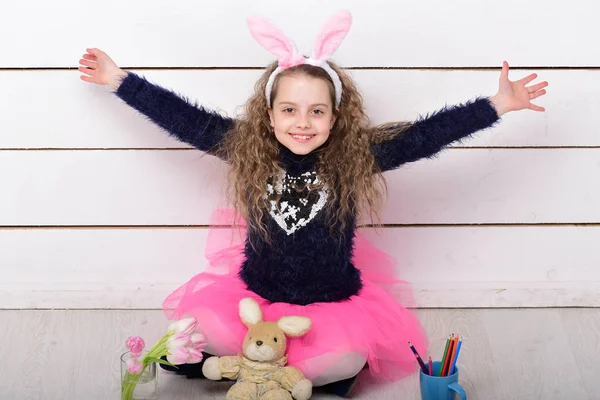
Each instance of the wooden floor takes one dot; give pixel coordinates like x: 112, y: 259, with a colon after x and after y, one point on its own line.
x: 507, y: 354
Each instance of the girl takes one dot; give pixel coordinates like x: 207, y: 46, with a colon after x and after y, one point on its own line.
x: 304, y: 162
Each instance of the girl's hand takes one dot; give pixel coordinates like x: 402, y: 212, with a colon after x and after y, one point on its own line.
x: 514, y: 96
x: 99, y: 68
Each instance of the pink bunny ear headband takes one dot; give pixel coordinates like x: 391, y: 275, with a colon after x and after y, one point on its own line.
x: 327, y: 42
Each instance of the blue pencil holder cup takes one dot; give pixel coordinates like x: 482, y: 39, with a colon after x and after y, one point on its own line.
x: 440, y: 387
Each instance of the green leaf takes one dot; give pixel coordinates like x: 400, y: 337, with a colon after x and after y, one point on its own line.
x: 160, y: 361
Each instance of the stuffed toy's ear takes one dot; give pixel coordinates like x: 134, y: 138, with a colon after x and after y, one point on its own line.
x: 250, y: 313
x: 294, y: 326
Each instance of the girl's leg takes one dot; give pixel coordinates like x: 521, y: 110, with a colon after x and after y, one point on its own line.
x: 334, y: 367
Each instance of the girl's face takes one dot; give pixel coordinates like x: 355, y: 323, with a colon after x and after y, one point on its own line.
x: 302, y: 113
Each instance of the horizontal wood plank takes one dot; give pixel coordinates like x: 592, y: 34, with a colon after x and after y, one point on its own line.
x: 70, y: 113
x: 475, y: 186
x: 447, y: 266
x: 205, y: 33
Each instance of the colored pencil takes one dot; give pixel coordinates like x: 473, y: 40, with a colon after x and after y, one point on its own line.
x: 453, y: 368
x: 445, y: 354
x: 430, y: 366
x: 418, y: 357
x: 448, y: 356
x: 452, y: 354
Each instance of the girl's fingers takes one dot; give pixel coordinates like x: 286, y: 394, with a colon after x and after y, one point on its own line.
x: 528, y: 79
x: 535, y: 88
x: 89, y: 57
x: 93, y: 51
x: 536, y: 94
x: 88, y: 71
x: 90, y: 64
x: 536, y: 108
x: 504, y: 72
x: 87, y: 79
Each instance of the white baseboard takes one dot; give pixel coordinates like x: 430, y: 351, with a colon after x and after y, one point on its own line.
x: 427, y: 295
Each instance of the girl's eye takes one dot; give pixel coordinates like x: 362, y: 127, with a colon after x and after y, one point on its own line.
x: 288, y: 110
x: 318, y: 112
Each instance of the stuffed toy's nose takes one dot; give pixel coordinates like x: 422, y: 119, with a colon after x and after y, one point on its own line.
x: 259, y: 343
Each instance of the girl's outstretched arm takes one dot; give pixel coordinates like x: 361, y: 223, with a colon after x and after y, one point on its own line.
x: 429, y: 135
x: 188, y: 122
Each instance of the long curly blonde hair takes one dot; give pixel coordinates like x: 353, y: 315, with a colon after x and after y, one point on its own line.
x: 346, y: 163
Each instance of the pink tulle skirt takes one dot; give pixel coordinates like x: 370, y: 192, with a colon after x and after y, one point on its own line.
x: 377, y: 323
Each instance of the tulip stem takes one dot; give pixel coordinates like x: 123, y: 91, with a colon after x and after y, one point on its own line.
x: 159, y: 348
x: 129, y: 383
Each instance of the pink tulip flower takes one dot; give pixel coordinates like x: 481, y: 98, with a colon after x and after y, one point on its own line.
x: 185, y: 349
x: 186, y: 325
x: 135, y: 344
x: 134, y: 366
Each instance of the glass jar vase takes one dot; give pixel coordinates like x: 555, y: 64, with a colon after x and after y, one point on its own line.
x: 142, y: 386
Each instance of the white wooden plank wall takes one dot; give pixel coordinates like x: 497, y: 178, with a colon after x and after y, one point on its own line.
x: 99, y: 208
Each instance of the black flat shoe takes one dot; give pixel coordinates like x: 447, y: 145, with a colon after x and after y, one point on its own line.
x: 191, y: 371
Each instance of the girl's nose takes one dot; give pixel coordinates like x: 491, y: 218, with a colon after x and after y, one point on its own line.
x: 303, y: 122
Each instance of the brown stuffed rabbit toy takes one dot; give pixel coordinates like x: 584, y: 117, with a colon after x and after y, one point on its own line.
x: 260, y: 370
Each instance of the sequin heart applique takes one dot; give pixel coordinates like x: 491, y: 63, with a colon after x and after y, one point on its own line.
x: 296, y: 209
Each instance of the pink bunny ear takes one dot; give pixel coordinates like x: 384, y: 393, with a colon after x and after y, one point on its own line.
x: 275, y: 41
x: 331, y: 35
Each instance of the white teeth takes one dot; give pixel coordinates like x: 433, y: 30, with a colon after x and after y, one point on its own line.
x: 302, y: 137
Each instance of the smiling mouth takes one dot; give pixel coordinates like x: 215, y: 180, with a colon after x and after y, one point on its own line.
x: 302, y: 137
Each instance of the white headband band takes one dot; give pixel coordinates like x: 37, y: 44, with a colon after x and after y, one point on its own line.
x: 327, y: 42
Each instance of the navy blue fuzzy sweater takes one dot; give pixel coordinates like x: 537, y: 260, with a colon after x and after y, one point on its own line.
x: 306, y: 263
